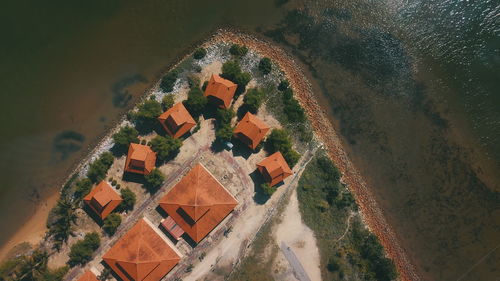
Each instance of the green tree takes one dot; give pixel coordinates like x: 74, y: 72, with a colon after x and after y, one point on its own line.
x: 168, y: 81
x: 279, y: 140
x: 33, y: 266
x: 61, y: 220
x: 83, y: 187
x: 267, y: 189
x: 125, y: 136
x: 283, y: 85
x: 265, y: 65
x: 199, y: 53
x: 195, y: 102
x: 231, y: 70
x: 129, y: 199
x: 148, y: 110
x: 224, y: 134
x: 154, y: 180
x: 111, y: 223
x: 253, y: 100
x: 81, y: 252
x: 165, y: 147
x: 99, y: 168
x: 238, y: 50
x: 292, y: 108
x: 168, y: 101
x: 55, y: 274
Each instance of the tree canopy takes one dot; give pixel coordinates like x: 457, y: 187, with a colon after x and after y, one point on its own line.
x: 168, y: 81
x: 265, y: 65
x: 129, y: 199
x: 253, y: 100
x: 165, y: 147
x: 82, y: 188
x: 154, y: 180
x: 111, y: 223
x: 293, y: 111
x: 168, y: 101
x: 125, y: 136
x: 238, y: 50
x: 99, y: 168
x: 195, y: 102
x: 223, y: 129
x: 279, y: 140
x: 199, y: 53
x: 231, y: 70
x: 81, y: 252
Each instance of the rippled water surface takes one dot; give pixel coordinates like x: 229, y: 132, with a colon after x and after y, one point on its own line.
x: 412, y: 86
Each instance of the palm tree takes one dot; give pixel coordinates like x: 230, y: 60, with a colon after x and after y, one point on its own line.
x: 62, y: 228
x: 33, y: 267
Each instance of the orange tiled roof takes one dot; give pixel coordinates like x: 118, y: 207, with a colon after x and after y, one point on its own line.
x: 198, y: 203
x: 274, y: 168
x: 142, y: 254
x: 140, y: 159
x: 251, y: 130
x: 177, y: 121
x: 220, y: 90
x: 103, y: 199
x: 88, y: 276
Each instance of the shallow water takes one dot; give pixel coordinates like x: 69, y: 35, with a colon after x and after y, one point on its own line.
x: 410, y: 87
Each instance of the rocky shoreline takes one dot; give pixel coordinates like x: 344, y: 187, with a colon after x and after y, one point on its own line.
x: 371, y: 213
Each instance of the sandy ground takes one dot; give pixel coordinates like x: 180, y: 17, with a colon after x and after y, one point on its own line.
x: 33, y: 230
x: 299, y: 238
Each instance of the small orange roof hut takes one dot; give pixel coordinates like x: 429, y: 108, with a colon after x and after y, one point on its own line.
x: 88, y: 276
x: 140, y: 159
x: 142, y: 254
x: 220, y: 91
x: 198, y: 203
x: 177, y: 121
x: 274, y: 168
x: 103, y: 199
x: 251, y: 130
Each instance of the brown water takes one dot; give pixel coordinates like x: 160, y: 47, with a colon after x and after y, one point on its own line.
x: 423, y: 135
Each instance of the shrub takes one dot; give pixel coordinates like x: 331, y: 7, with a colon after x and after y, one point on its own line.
x: 168, y: 81
x: 129, y: 199
x: 81, y: 252
x: 98, y: 169
x: 265, y: 65
x: 224, y: 134
x: 231, y: 70
x: 83, y: 187
x: 253, y: 100
x: 267, y: 189
x: 168, y: 101
x: 114, y: 182
x: 193, y: 82
x: 283, y: 85
x: 195, y: 102
x: 293, y: 111
x: 111, y: 223
x: 199, y: 53
x: 223, y: 129
x: 165, y: 147
x: 238, y: 50
x: 125, y: 136
x: 154, y: 180
x: 279, y: 140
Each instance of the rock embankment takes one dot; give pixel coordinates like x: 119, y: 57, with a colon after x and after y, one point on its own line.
x: 324, y: 130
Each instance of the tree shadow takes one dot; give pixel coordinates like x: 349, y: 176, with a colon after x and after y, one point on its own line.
x: 259, y: 197
x: 133, y: 177
x: 242, y: 110
x: 118, y: 150
x: 146, y: 126
x: 241, y: 149
x: 92, y: 214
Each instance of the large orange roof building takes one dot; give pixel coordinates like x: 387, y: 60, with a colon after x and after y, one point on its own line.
x: 274, y: 168
x: 140, y: 159
x: 103, y: 199
x: 220, y: 91
x: 251, y: 130
x: 142, y: 254
x: 177, y: 121
x: 88, y: 276
x: 198, y: 203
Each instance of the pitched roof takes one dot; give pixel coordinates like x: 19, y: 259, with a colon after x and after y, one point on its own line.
x: 103, y: 199
x: 177, y: 121
x: 198, y: 202
x: 251, y: 130
x: 274, y: 168
x: 142, y: 254
x: 88, y: 276
x: 222, y: 89
x: 140, y: 159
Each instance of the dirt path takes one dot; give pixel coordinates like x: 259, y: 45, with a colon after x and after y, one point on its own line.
x: 299, y: 238
x: 372, y: 214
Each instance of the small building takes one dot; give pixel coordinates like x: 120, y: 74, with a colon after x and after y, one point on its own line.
x: 274, y: 169
x: 220, y: 91
x: 88, y: 276
x: 198, y: 203
x: 142, y: 254
x: 140, y: 159
x: 103, y: 199
x: 177, y: 121
x: 251, y: 130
